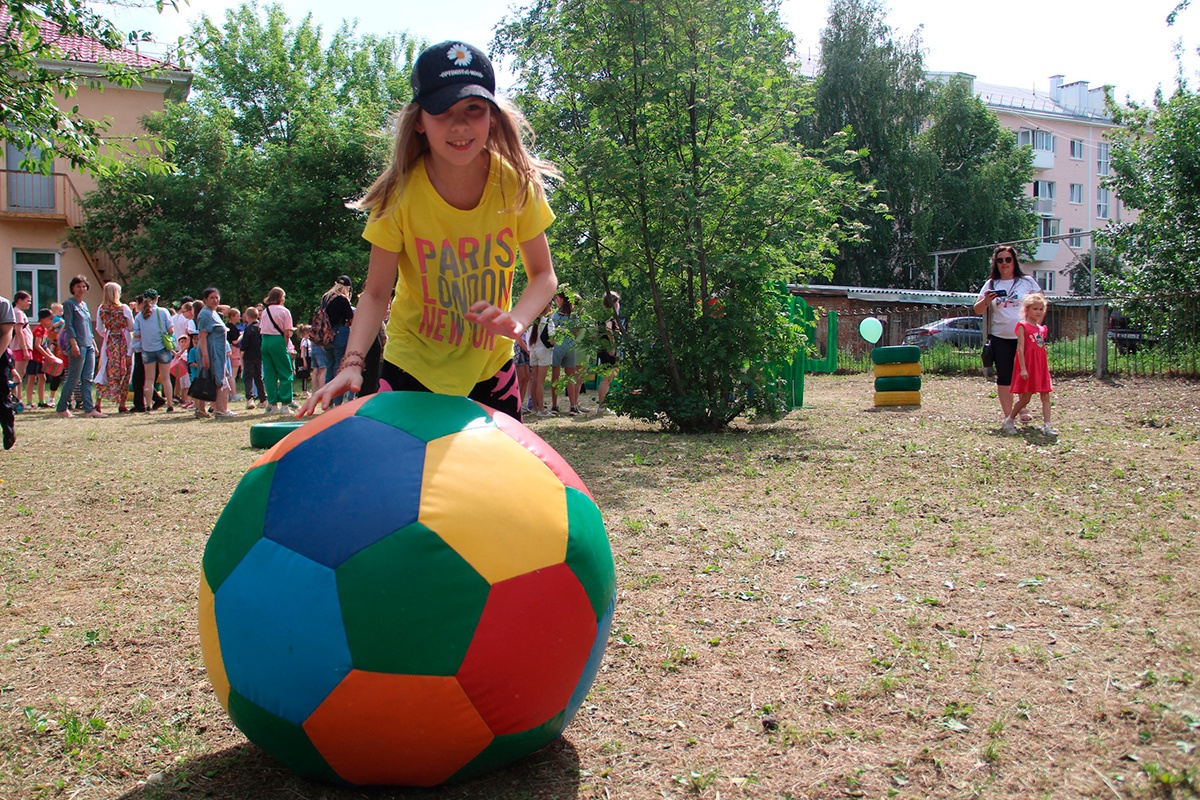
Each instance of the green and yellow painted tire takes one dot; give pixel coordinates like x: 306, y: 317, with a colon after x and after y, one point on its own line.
x: 896, y: 354
x: 897, y: 398
x: 898, y: 384
x: 898, y: 370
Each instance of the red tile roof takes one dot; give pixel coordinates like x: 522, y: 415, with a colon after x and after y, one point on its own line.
x: 84, y: 49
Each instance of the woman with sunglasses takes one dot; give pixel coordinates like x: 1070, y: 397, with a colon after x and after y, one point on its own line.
x: 1003, y: 292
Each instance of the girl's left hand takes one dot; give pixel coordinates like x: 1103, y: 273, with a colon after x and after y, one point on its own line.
x: 489, y: 317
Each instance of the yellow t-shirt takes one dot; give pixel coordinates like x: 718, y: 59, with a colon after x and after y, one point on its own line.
x: 449, y: 259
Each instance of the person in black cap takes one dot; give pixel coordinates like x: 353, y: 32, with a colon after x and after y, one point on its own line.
x: 337, y: 307
x: 461, y: 198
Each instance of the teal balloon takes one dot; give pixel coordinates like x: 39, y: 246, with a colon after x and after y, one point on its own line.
x: 870, y: 329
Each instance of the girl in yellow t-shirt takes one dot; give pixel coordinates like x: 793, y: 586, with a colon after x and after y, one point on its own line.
x: 449, y: 216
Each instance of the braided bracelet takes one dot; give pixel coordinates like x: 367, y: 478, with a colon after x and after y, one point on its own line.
x: 352, y: 359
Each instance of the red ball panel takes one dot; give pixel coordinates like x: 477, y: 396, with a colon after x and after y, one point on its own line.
x: 530, y: 648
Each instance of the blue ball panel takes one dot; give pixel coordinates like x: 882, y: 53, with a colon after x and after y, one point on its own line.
x: 592, y: 667
x: 281, y: 633
x: 330, y: 497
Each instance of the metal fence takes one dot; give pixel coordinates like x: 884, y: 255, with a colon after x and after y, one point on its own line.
x: 1143, y: 336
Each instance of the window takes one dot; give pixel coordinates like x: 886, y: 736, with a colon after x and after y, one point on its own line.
x: 1043, y: 197
x: 1077, y: 194
x: 37, y: 273
x: 1077, y: 150
x: 1049, y: 228
x: 1102, y: 160
x: 1076, y: 239
x: 1102, y: 203
x: 1045, y: 279
x: 1038, y: 140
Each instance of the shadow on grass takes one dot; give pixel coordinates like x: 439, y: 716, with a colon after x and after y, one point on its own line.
x: 245, y: 772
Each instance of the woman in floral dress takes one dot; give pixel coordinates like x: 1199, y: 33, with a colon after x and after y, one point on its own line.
x: 114, y: 321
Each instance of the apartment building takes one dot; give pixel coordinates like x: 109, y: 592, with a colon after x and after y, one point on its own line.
x: 1068, y: 129
x: 37, y: 211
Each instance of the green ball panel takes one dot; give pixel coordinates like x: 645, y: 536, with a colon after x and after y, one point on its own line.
x: 588, y: 553
x: 410, y: 604
x: 425, y: 415
x: 282, y: 740
x: 240, y: 525
x: 896, y: 354
x: 898, y: 384
x: 506, y: 749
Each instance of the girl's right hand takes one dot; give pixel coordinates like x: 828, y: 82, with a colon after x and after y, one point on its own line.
x: 1024, y: 374
x: 348, y: 379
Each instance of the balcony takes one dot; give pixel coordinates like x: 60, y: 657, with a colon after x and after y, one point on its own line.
x: 1043, y: 205
x: 1043, y: 159
x: 26, y: 196
x: 1046, y: 251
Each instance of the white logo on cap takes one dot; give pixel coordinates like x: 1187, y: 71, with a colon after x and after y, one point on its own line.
x: 460, y: 54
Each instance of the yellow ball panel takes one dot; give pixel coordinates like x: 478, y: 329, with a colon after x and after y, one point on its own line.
x: 210, y: 644
x: 495, y: 503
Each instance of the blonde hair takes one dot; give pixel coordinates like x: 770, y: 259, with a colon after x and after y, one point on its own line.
x: 1033, y: 299
x: 505, y: 139
x: 112, y: 293
x: 274, y: 297
x: 338, y: 288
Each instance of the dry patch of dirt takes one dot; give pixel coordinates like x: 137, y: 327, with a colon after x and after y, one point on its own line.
x: 849, y: 602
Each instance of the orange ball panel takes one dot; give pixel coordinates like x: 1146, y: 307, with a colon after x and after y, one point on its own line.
x: 414, y: 730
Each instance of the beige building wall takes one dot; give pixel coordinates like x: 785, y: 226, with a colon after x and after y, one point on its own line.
x: 1068, y: 130
x: 36, y: 212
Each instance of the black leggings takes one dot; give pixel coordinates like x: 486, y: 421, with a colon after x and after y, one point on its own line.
x: 1005, y: 353
x: 500, y: 391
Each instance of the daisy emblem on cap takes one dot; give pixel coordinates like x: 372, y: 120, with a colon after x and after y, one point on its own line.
x: 460, y: 54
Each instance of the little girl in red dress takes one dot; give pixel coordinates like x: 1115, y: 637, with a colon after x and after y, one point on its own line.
x: 1031, y: 370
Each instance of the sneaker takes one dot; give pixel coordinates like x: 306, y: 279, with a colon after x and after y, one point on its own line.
x: 574, y: 412
x: 554, y: 411
x: 234, y: 398
x: 170, y: 409
x: 291, y: 408
x: 44, y: 405
x: 271, y: 409
x: 1046, y: 429
x: 1009, y: 427
x: 250, y: 406
x: 226, y: 414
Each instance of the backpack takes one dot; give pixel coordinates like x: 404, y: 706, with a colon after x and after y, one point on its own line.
x: 322, y: 331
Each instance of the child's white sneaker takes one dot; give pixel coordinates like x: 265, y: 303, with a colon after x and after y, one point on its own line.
x: 1046, y: 429
x: 1009, y: 426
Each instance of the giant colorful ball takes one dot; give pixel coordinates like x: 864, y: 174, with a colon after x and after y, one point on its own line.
x: 409, y: 589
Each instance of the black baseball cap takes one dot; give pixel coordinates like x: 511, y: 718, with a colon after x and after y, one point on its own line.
x: 344, y: 280
x: 451, y: 71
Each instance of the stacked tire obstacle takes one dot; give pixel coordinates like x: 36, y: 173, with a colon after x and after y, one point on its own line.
x: 897, y: 375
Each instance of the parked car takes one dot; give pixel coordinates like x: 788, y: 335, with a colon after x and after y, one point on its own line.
x: 956, y: 331
x: 1125, y: 336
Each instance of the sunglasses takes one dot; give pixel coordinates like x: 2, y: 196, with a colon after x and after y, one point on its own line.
x: 1004, y: 259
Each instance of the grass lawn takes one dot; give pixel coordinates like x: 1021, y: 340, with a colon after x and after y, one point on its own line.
x: 850, y: 602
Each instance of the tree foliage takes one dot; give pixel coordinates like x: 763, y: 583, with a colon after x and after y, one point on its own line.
x: 1156, y: 171
x: 968, y: 189
x: 951, y: 177
x: 872, y: 85
x: 31, y: 116
x: 281, y: 131
x: 684, y: 188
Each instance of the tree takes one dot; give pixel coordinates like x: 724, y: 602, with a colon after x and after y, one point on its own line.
x: 1156, y: 171
x: 969, y: 179
x: 1108, y: 269
x: 30, y: 115
x: 872, y: 86
x: 683, y: 187
x: 280, y: 132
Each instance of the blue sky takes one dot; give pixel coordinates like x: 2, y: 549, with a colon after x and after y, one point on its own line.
x: 1124, y: 43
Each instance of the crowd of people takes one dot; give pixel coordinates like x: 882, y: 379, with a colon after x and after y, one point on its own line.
x: 140, y: 356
